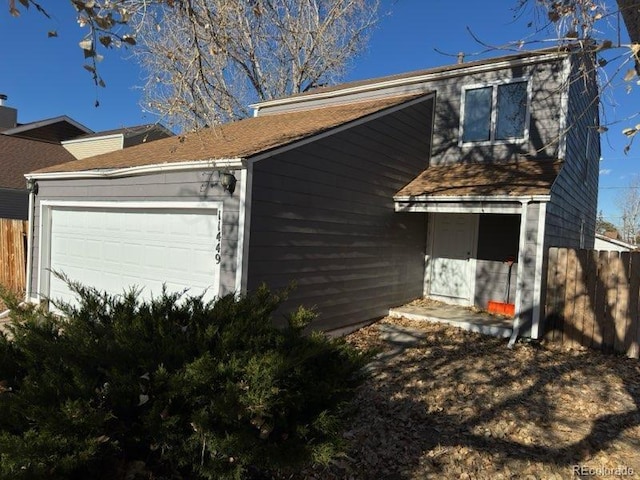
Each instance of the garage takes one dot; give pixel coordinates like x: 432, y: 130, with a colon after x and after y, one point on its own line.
x: 114, y: 246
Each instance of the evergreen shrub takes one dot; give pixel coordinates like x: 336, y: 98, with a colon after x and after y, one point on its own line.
x: 171, y: 388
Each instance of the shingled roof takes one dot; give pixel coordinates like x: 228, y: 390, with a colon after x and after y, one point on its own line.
x: 23, y: 155
x: 523, y: 178
x: 242, y: 139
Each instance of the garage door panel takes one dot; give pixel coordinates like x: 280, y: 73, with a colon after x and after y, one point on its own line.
x: 114, y: 249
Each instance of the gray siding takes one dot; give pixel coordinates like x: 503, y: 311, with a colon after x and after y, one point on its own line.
x: 184, y: 186
x: 543, y: 126
x: 14, y: 204
x: 491, y: 282
x: 574, y: 196
x: 545, y: 110
x: 322, y: 215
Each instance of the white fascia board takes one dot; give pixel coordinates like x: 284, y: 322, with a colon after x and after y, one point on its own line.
x: 231, y: 163
x: 458, y: 207
x: 425, y: 77
x: 472, y: 198
x: 92, y: 139
x: 343, y: 127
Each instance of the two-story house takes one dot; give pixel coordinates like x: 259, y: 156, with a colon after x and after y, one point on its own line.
x: 450, y: 182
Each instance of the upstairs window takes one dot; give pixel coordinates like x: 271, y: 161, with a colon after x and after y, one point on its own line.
x: 495, y: 113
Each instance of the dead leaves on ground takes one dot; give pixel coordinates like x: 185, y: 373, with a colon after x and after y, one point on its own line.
x: 462, y: 405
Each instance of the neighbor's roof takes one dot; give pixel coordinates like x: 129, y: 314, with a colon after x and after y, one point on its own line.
x: 54, y: 129
x: 630, y: 10
x: 241, y: 139
x: 523, y: 178
x: 127, y: 132
x: 23, y: 155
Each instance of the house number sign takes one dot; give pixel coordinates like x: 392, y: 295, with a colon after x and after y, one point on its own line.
x: 219, y: 238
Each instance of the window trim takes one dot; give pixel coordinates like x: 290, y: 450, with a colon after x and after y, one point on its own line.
x: 494, y: 113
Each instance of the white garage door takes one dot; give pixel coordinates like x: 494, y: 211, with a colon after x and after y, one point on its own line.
x: 113, y: 249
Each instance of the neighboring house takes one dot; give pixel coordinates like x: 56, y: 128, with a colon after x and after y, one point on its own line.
x: 27, y: 147
x: 92, y: 144
x: 440, y: 182
x: 31, y: 146
x: 603, y: 242
x: 52, y: 130
x: 19, y: 156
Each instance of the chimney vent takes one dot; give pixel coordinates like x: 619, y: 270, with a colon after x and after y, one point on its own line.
x: 461, y: 57
x: 8, y: 115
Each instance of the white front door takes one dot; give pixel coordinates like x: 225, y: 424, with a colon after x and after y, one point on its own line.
x: 452, y: 260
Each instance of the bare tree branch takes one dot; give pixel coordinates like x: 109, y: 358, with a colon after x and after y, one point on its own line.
x: 206, y: 66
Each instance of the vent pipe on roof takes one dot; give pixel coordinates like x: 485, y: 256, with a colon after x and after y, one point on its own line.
x: 461, y: 57
x: 3, y: 98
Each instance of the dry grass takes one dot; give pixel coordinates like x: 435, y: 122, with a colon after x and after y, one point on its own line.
x: 459, y: 405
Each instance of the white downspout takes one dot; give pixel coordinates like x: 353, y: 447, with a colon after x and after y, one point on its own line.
x: 29, y: 279
x: 517, y: 321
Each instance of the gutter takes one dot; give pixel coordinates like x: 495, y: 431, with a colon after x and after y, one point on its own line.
x: 235, y: 163
x: 472, y: 198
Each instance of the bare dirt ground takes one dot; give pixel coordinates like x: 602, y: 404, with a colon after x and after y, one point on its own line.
x: 457, y: 405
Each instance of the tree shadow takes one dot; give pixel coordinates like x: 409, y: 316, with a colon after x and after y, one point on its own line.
x: 461, y: 404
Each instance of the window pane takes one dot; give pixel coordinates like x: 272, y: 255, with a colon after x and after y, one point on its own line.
x: 512, y: 109
x: 477, y: 115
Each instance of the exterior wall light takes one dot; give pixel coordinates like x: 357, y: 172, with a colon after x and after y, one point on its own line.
x: 32, y: 186
x: 228, y: 181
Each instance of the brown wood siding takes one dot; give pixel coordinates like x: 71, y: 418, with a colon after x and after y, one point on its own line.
x: 574, y: 196
x: 14, y: 204
x: 322, y: 215
x: 185, y: 186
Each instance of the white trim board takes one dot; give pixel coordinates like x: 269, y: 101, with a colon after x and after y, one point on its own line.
x: 230, y: 163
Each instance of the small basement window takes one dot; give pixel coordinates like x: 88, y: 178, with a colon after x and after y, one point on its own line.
x: 495, y: 113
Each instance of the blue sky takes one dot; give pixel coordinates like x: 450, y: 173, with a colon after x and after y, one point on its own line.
x: 43, y: 77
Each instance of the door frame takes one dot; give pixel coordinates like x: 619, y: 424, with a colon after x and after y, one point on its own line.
x: 431, y: 232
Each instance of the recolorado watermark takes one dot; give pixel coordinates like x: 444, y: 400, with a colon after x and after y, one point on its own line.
x: 619, y: 471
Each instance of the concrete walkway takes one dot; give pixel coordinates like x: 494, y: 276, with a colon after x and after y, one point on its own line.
x: 457, y: 316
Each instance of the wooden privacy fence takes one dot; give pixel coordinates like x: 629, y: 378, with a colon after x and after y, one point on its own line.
x: 13, y: 254
x: 592, y: 299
